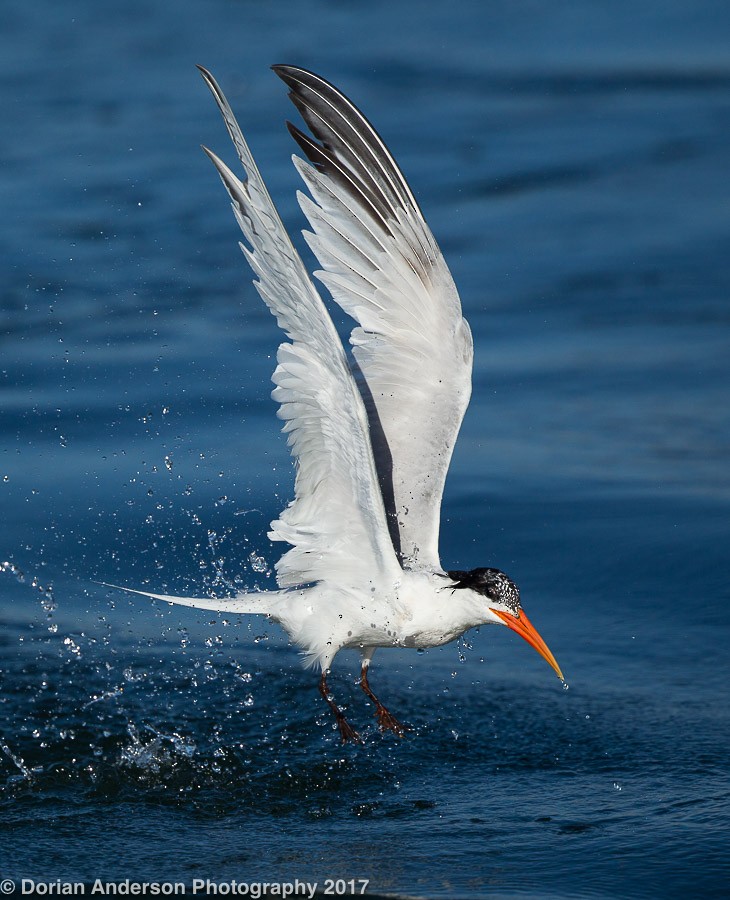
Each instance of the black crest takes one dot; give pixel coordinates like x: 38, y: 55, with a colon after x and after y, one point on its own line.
x: 492, y: 583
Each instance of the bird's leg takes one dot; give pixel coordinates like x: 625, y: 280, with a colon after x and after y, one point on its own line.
x: 386, y: 720
x: 347, y: 732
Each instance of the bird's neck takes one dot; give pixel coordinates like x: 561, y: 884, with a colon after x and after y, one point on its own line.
x: 432, y: 599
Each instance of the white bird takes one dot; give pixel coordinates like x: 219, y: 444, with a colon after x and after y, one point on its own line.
x: 371, y: 432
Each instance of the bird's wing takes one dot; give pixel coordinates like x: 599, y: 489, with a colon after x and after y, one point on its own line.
x: 413, y: 348
x: 336, y: 523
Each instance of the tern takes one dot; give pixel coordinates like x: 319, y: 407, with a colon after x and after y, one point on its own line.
x: 371, y: 431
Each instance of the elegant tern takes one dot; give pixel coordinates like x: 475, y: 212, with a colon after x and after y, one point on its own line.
x: 372, y: 431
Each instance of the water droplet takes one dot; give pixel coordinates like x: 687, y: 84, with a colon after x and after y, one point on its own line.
x: 13, y: 570
x: 258, y: 563
x: 19, y: 762
x: 72, y: 647
x: 48, y: 601
x: 168, y: 463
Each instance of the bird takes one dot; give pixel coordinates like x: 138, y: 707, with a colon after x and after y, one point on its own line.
x: 371, y: 428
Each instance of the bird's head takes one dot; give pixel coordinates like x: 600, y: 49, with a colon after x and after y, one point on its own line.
x: 503, y: 602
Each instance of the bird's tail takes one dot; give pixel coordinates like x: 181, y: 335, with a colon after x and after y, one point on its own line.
x: 266, y: 603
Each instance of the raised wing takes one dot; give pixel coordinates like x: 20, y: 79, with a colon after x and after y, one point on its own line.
x: 413, y: 348
x: 336, y: 522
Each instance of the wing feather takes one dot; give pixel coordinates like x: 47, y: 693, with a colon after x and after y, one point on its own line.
x: 412, y: 347
x: 337, y: 521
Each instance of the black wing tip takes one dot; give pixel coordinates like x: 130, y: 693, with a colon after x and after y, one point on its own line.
x: 287, y: 73
x: 296, y: 77
x: 286, y: 70
x: 211, y: 82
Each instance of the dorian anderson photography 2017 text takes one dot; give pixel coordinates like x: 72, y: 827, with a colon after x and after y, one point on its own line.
x: 253, y: 890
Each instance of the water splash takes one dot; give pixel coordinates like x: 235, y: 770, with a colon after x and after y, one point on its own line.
x: 13, y: 570
x: 71, y: 647
x: 105, y: 695
x: 158, y: 751
x: 48, y: 601
x: 19, y: 762
x: 258, y: 563
x: 463, y: 647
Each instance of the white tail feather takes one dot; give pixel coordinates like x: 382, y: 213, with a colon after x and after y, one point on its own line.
x: 261, y: 603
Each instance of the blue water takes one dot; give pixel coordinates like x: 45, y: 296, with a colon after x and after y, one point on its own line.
x: 572, y: 160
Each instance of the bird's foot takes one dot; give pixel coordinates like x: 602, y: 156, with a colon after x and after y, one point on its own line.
x: 347, y: 732
x: 388, y: 722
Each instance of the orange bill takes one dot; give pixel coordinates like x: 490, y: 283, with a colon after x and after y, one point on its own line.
x: 524, y: 627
